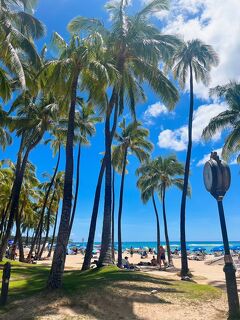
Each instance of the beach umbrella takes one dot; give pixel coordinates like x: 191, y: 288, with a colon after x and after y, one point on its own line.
x: 199, y: 249
x: 236, y: 248
x: 10, y: 242
x: 217, y: 249
x: 187, y: 248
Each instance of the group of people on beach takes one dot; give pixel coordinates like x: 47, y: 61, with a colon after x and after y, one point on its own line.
x: 160, y: 260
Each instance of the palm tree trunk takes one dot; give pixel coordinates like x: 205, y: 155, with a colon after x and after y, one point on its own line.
x: 166, y: 228
x: 27, y: 238
x: 46, y: 199
x: 120, y: 211
x: 184, y: 260
x: 53, y: 236
x: 113, y: 211
x: 158, y: 225
x: 57, y: 269
x: 48, y: 225
x: 92, y: 230
x: 77, y: 187
x: 19, y: 234
x: 105, y: 257
x: 15, y: 196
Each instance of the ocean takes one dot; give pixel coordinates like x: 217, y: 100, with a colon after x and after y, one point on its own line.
x: 208, y: 245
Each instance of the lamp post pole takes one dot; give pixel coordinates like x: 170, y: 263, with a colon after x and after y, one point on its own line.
x: 229, y: 268
x: 217, y: 178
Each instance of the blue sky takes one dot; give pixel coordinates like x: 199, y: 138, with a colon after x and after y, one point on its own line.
x: 167, y: 130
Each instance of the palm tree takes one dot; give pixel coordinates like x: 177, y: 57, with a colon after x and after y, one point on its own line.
x: 36, y: 116
x: 157, y: 176
x: 18, y: 28
x: 228, y: 119
x: 133, y: 139
x: 194, y: 59
x: 137, y: 48
x: 81, y: 58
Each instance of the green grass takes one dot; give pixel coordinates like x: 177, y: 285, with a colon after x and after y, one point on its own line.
x: 29, y: 279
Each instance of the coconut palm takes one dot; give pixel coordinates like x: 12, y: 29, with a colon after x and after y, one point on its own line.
x: 157, y: 176
x: 193, y: 59
x: 228, y: 119
x: 37, y: 116
x: 133, y: 139
x: 137, y: 47
x: 18, y: 28
x: 82, y: 58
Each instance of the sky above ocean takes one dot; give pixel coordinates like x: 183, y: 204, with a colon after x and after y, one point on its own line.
x: 218, y: 26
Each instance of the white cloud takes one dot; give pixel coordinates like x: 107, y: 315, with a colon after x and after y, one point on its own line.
x: 215, y: 23
x: 206, y: 157
x: 177, y: 139
x: 154, y: 111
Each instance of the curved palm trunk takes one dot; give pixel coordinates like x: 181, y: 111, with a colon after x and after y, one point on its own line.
x: 113, y: 211
x: 77, y: 187
x: 184, y: 260
x: 45, y: 202
x: 120, y: 211
x: 92, y: 230
x: 4, y: 215
x: 57, y: 269
x: 53, y: 236
x: 17, y: 185
x: 166, y: 229
x: 158, y: 225
x: 27, y: 238
x: 48, y: 225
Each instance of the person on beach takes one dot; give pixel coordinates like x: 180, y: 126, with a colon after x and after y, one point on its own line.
x: 162, y: 257
x: 154, y: 261
x: 131, y: 252
x: 126, y: 263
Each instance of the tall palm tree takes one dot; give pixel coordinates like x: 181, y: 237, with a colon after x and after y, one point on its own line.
x: 137, y: 48
x: 194, y: 59
x: 82, y: 58
x: 133, y: 139
x: 228, y: 119
x: 157, y: 176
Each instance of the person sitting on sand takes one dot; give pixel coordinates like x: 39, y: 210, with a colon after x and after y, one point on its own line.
x: 154, y: 261
x: 176, y: 251
x: 144, y: 254
x: 126, y: 263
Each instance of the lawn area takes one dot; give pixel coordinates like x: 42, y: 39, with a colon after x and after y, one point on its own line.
x: 91, y: 293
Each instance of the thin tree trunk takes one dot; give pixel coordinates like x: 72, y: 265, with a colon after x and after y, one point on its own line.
x: 53, y: 237
x: 15, y: 197
x: 166, y: 228
x: 77, y: 187
x: 57, y: 269
x: 105, y: 257
x: 92, y: 229
x: 120, y: 211
x: 46, y: 199
x: 184, y: 260
x: 113, y: 212
x: 48, y: 224
x: 19, y: 234
x: 158, y: 225
x: 27, y: 238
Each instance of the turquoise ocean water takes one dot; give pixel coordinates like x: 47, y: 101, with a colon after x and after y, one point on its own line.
x: 174, y: 244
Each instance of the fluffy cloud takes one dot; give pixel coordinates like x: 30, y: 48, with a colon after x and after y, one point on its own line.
x: 215, y: 23
x: 177, y: 139
x: 206, y: 157
x: 154, y: 111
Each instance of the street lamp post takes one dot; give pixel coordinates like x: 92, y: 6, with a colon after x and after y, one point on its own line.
x: 217, y: 179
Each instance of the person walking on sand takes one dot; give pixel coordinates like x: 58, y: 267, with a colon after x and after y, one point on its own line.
x: 162, y: 257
